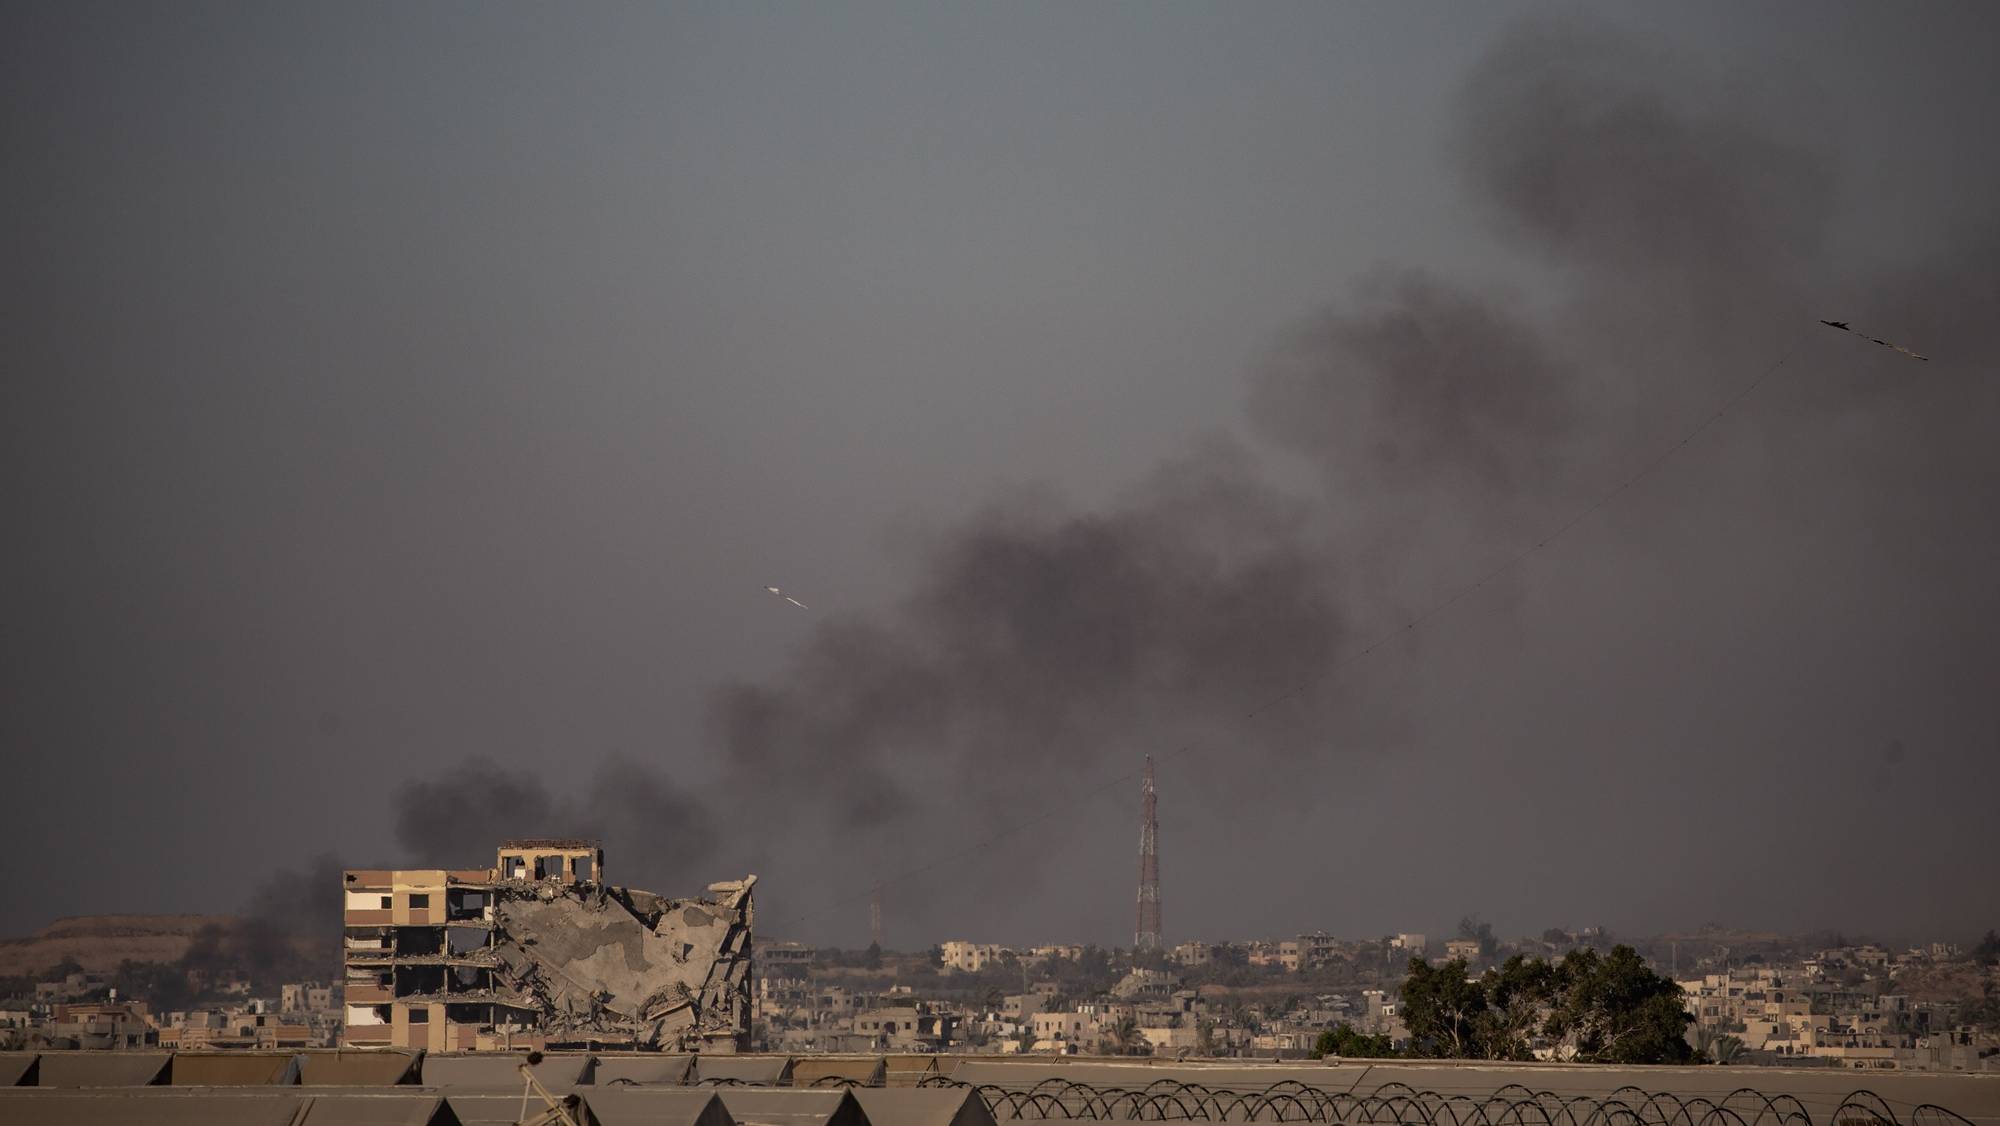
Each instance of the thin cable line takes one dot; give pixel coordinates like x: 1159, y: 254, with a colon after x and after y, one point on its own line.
x: 1508, y: 564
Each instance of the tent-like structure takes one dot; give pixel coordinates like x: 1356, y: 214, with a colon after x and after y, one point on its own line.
x: 927, y: 1106
x: 646, y: 1069
x: 556, y: 1071
x: 765, y: 1106
x: 233, y: 1069
x: 367, y: 1067
x: 908, y: 1070
x: 656, y: 1106
x: 17, y: 1069
x: 187, y: 1106
x: 765, y: 1071
x: 838, y: 1071
x: 102, y: 1069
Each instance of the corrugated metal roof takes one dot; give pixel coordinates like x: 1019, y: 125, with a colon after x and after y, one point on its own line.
x: 502, y: 1069
x: 643, y: 1069
x: 231, y: 1069
x: 768, y: 1106
x: 145, y: 1107
x: 907, y: 1070
x: 379, y: 1109
x: 656, y: 1106
x: 809, y: 1071
x: 930, y: 1106
x: 101, y: 1069
x: 492, y: 1107
x: 362, y: 1067
x: 14, y: 1068
x: 743, y: 1069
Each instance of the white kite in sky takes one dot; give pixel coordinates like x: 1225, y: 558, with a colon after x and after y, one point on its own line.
x: 787, y: 597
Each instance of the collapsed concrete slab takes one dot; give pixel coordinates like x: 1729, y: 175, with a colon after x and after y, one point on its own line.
x: 612, y: 964
x: 540, y: 952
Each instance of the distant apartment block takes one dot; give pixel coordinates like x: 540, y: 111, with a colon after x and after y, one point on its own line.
x: 972, y: 957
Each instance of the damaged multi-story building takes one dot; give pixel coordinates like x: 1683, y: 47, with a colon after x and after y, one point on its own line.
x: 539, y: 951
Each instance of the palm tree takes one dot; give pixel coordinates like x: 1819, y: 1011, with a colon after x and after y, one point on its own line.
x: 1124, y: 1038
x: 1726, y: 1049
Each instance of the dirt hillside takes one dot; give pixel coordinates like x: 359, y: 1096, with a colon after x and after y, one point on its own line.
x: 100, y: 942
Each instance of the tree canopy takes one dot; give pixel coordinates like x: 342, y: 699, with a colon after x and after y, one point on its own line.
x: 1342, y: 1040
x: 1598, y: 1008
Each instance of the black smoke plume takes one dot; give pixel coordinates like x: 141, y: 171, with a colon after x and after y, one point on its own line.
x: 651, y: 828
x: 1446, y: 426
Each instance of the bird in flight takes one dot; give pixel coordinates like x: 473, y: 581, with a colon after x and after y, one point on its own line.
x: 1842, y: 326
x: 787, y: 597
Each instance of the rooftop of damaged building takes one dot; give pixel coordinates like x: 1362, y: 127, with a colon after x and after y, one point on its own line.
x: 550, y: 842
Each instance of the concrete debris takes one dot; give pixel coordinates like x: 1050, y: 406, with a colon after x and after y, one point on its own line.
x: 539, y: 952
x: 613, y: 964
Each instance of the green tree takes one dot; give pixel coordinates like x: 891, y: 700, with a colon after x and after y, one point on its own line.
x: 1443, y: 1010
x: 1343, y: 1041
x: 1517, y: 994
x: 1711, y: 1046
x: 1613, y: 1008
x: 1123, y: 1037
x: 1204, y: 1037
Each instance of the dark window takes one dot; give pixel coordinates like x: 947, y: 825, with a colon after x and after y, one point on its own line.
x: 417, y: 901
x: 387, y: 902
x: 420, y: 1016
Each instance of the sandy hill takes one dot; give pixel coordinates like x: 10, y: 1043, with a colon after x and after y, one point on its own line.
x: 100, y: 942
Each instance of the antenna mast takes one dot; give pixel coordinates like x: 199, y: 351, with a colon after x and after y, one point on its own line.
x: 1147, y: 936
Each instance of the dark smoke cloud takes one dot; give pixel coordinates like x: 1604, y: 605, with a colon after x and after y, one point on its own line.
x: 1048, y: 640
x: 1420, y: 385
x: 297, y: 900
x: 1584, y: 145
x: 1440, y: 419
x: 651, y: 828
x: 1041, y: 645
x: 287, y: 930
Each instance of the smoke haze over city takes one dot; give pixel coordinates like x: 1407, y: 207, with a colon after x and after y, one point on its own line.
x: 407, y: 412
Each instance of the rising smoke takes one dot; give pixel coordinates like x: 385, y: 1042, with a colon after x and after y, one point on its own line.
x: 1042, y: 645
x: 456, y: 818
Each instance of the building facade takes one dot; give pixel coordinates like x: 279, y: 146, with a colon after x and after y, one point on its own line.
x: 539, y: 951
x: 417, y: 948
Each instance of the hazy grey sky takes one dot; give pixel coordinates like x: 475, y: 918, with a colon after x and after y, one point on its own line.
x: 393, y: 386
